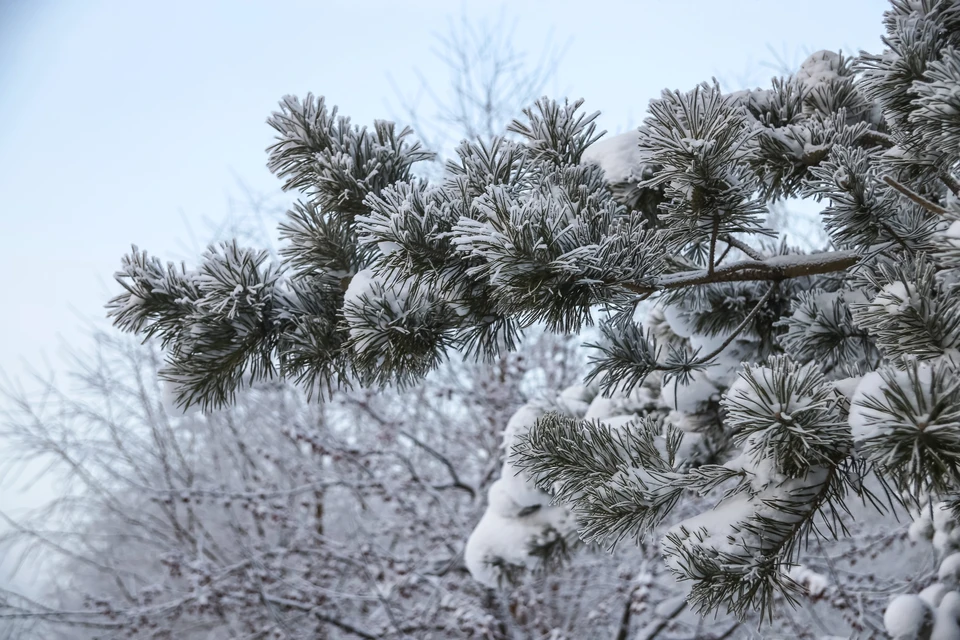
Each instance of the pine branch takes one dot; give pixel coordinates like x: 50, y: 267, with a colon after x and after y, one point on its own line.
x: 739, y: 329
x: 952, y: 183
x: 743, y: 246
x: 876, y: 138
x: 916, y: 197
x: 773, y: 269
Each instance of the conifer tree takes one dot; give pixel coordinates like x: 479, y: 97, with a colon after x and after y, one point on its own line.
x: 805, y: 379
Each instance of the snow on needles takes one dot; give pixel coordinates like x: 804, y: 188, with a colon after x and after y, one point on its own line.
x: 619, y: 156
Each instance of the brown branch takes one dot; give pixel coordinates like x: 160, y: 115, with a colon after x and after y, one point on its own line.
x: 744, y: 247
x: 878, y: 139
x: 772, y: 269
x: 951, y: 183
x: 932, y: 207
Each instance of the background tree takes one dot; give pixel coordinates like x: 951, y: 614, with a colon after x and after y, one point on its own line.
x: 489, y: 81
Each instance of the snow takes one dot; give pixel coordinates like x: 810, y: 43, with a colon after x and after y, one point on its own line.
x: 714, y: 529
x: 520, y: 486
x: 601, y: 407
x: 943, y: 517
x: 941, y: 541
x: 517, y: 483
x: 575, y: 400
x: 691, y: 396
x: 946, y: 625
x: 168, y: 399
x: 818, y: 69
x: 504, y: 534
x: 861, y: 418
x: 727, y: 362
x: 949, y: 572
x: 906, y: 616
x: 753, y: 461
x: 678, y: 321
x: 619, y: 157
x: 868, y: 422
x: 933, y: 594
x: 619, y: 422
x: 952, y: 233
x: 367, y: 330
x: 361, y: 284
x: 847, y: 387
x: 896, y: 298
x: 815, y: 583
x: 921, y: 529
x: 386, y: 248
x: 763, y: 395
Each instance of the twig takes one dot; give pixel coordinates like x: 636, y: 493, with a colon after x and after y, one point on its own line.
x: 774, y: 269
x: 456, y: 482
x: 951, y: 183
x: 711, y: 263
x: 653, y: 629
x: 742, y: 246
x: 624, y: 629
x: 916, y: 197
x: 878, y: 139
x: 315, y: 612
x: 743, y: 325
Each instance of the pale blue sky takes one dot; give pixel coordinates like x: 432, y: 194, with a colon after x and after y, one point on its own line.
x: 120, y: 119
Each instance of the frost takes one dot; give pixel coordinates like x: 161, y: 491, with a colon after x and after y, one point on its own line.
x: 896, y: 298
